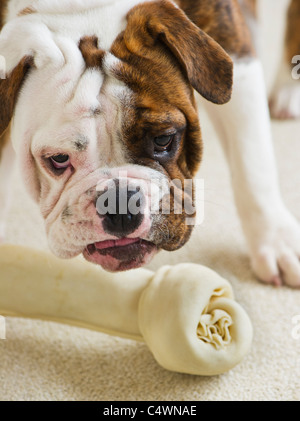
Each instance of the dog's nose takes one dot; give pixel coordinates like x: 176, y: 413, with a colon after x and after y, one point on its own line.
x: 121, y: 210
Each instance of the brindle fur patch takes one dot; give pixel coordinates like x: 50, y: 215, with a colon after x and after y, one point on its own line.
x: 3, y: 7
x: 223, y: 21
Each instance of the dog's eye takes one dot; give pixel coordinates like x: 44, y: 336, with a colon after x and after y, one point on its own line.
x: 162, y: 143
x: 60, y: 161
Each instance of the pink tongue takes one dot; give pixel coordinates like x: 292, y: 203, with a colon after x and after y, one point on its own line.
x: 115, y: 243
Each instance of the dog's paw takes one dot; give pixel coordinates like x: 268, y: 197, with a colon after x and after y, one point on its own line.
x: 276, y: 256
x: 31, y: 38
x: 285, y: 102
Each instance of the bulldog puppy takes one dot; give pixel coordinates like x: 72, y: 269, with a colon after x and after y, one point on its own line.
x: 98, y: 103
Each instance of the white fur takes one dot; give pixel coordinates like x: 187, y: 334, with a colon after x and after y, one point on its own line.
x: 55, y: 6
x: 30, y: 38
x: 244, y: 128
x: 285, y: 98
x: 15, y: 6
x: 38, y: 34
x: 103, y: 18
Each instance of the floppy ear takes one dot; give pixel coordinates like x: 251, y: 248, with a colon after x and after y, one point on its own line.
x: 208, y: 67
x: 9, y: 89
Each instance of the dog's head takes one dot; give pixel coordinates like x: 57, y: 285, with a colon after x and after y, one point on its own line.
x: 102, y: 132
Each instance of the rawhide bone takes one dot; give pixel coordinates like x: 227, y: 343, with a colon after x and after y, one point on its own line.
x: 185, y: 313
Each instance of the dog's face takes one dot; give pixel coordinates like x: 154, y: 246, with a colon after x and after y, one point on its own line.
x: 102, y: 136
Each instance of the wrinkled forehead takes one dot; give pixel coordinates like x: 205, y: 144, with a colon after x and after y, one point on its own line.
x: 82, y: 98
x: 53, y: 92
x: 74, y: 103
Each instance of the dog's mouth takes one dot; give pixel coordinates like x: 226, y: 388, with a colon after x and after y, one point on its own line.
x: 120, y: 255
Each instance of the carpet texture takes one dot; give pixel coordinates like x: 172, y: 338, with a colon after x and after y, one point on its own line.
x: 48, y: 361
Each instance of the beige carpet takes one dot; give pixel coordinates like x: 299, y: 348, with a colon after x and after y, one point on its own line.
x: 48, y: 361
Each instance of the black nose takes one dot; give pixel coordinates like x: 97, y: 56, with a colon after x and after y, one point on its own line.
x: 121, y: 210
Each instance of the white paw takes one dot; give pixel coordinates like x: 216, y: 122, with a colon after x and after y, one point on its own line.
x: 276, y: 257
x: 30, y: 38
x: 285, y: 102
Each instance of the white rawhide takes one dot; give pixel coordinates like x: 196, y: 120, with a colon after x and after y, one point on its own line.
x: 185, y: 313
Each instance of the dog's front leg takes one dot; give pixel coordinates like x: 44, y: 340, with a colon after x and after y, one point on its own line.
x: 285, y: 98
x: 6, y: 166
x: 272, y: 233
